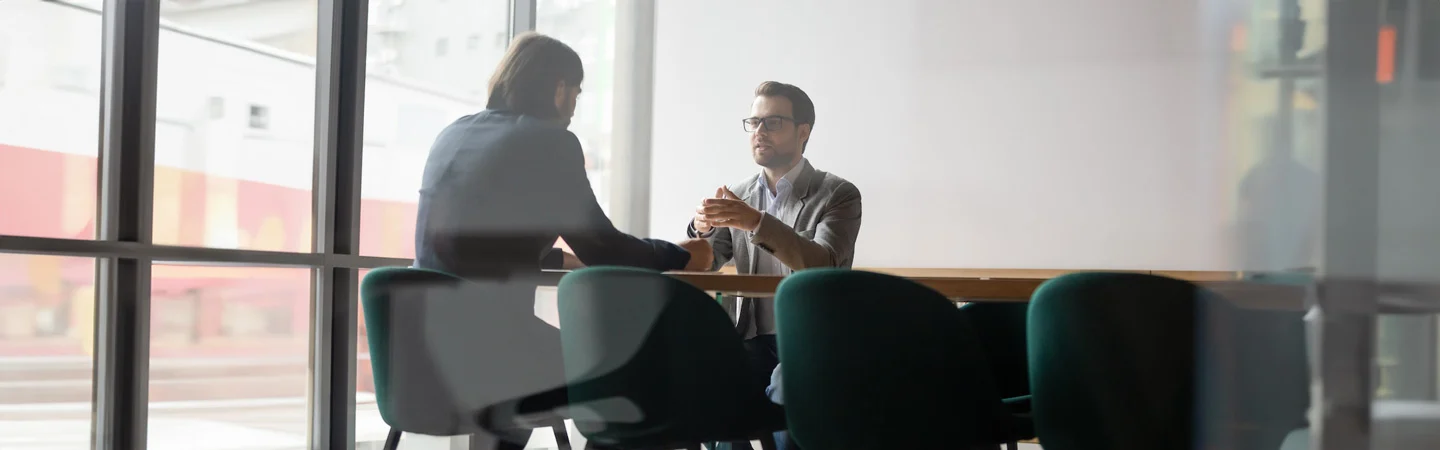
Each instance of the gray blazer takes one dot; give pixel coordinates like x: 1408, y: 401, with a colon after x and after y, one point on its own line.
x: 817, y: 227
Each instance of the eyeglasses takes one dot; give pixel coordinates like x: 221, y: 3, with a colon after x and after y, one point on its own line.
x: 771, y: 123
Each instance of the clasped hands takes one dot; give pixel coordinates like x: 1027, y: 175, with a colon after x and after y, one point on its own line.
x: 726, y: 210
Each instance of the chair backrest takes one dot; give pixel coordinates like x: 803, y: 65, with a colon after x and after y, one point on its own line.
x: 877, y: 361
x: 647, y: 354
x: 1000, y: 327
x: 443, y: 348
x: 1113, y: 361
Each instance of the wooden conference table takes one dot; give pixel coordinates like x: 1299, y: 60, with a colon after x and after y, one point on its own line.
x: 995, y: 285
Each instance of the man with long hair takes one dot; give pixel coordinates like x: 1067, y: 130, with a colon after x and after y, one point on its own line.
x: 500, y: 185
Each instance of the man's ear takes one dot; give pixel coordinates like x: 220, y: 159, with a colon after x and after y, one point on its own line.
x: 560, y: 98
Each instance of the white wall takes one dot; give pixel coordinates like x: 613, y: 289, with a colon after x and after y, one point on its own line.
x: 1015, y: 134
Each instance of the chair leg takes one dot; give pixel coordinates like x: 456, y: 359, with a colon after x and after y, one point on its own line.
x: 392, y: 439
x: 562, y: 436
x: 1012, y: 445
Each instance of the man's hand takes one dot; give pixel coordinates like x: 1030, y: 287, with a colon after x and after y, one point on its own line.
x: 701, y: 255
x: 703, y: 227
x: 729, y: 211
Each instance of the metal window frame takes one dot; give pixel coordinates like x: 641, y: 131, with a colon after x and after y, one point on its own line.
x: 522, y: 16
x: 120, y: 402
x: 339, y: 147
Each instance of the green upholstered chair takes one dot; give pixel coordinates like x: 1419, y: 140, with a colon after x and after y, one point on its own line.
x: 878, y: 361
x: 1113, y: 361
x: 1000, y: 327
x: 1131, y: 361
x: 654, y: 362
x: 456, y: 357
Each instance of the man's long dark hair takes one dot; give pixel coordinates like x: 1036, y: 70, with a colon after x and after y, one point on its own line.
x: 527, y: 76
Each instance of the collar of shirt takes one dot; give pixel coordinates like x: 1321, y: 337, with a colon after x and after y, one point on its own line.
x: 782, y: 187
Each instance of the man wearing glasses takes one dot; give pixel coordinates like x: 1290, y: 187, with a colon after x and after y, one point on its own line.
x: 789, y: 217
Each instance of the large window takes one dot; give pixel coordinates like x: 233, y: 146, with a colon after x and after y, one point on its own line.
x: 230, y: 344
x: 588, y: 26
x: 419, y: 82
x: 49, y: 87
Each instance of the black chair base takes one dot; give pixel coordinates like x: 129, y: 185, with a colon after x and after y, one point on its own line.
x: 562, y: 440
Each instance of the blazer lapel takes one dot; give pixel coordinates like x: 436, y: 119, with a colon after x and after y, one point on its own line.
x: 745, y: 253
x: 795, y: 202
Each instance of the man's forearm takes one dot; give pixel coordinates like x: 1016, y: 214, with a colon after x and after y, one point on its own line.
x: 719, y: 244
x: 795, y: 251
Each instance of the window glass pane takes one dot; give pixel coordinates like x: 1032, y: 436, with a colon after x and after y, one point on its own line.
x: 49, y: 110
x: 47, y: 313
x: 421, y: 78
x: 228, y: 356
x: 234, y: 127
x: 588, y: 26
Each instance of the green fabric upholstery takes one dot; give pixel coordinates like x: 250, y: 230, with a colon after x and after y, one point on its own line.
x: 1130, y: 361
x: 1000, y: 327
x: 877, y: 361
x: 452, y: 357
x: 1113, y: 361
x: 652, y: 361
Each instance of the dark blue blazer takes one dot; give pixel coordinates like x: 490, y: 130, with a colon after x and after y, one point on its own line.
x: 499, y: 187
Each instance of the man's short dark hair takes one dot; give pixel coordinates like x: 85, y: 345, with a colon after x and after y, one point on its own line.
x: 525, y: 80
x: 800, y: 103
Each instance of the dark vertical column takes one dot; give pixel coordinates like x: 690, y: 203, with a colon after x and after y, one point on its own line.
x: 339, y: 134
x: 126, y: 211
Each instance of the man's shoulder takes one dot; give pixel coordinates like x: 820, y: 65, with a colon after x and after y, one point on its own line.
x: 830, y: 182
x: 503, y: 126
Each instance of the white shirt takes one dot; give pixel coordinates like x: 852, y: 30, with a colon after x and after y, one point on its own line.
x: 766, y: 263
